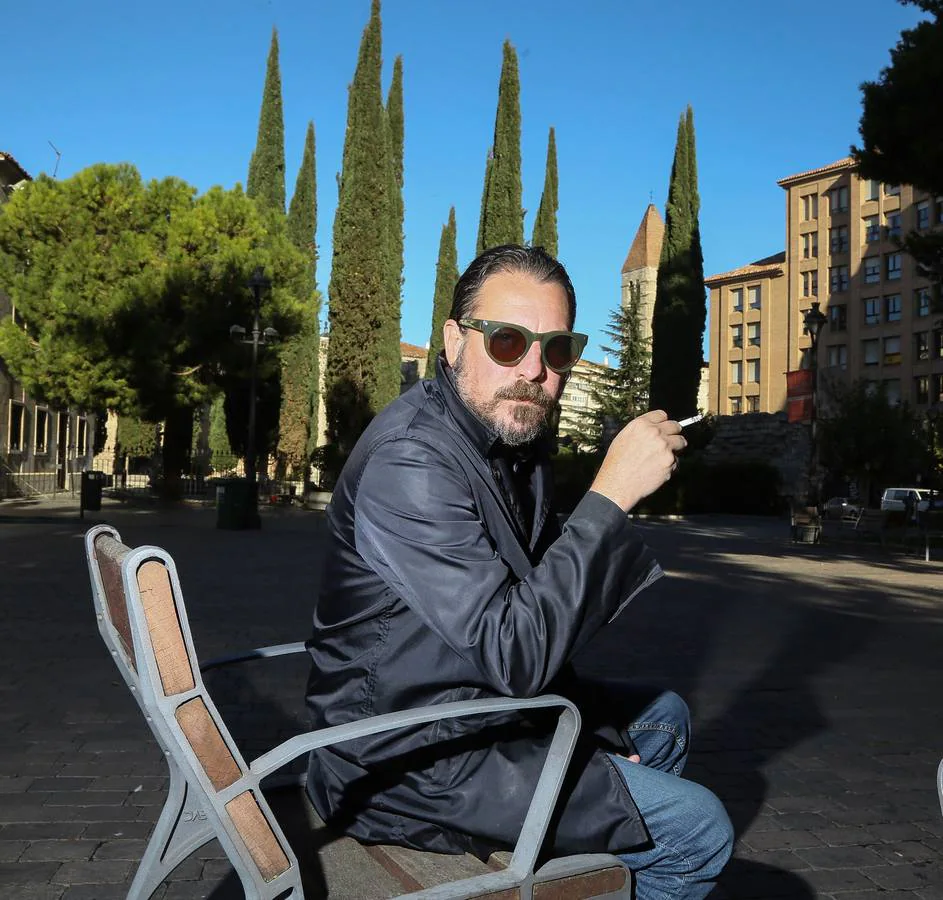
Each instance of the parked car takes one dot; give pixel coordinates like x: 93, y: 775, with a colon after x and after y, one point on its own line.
x: 839, y: 507
x: 902, y: 498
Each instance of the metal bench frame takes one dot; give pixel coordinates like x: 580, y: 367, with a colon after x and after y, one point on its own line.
x: 196, y: 810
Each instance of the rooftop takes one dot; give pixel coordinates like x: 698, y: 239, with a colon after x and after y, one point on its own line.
x: 847, y: 163
x: 646, y: 248
x: 769, y: 265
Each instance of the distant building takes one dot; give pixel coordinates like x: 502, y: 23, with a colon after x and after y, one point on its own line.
x: 42, y: 447
x: 842, y: 251
x: 640, y: 269
x: 576, y: 401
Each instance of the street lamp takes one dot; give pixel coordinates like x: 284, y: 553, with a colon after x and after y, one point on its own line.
x: 259, y: 283
x: 814, y: 320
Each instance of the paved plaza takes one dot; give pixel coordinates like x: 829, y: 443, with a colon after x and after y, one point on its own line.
x: 815, y: 676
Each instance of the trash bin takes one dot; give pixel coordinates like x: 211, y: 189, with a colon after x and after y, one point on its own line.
x: 90, y: 493
x: 235, y: 509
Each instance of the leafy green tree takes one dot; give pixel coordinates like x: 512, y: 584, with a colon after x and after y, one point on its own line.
x: 620, y: 393
x: 502, y: 216
x: 446, y: 277
x: 355, y: 385
x: 128, y: 292
x: 298, y: 422
x: 545, y: 224
x: 221, y: 455
x: 680, y: 311
x: 863, y: 437
x: 135, y: 437
x: 266, y: 182
x: 900, y: 127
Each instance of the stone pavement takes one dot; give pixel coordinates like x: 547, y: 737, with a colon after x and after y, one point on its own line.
x: 814, y: 675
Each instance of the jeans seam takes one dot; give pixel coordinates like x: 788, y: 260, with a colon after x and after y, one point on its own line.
x: 673, y: 730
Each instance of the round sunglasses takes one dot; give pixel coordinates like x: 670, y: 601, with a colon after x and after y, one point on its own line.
x: 507, y: 344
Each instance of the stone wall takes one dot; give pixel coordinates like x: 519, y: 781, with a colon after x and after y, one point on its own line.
x: 765, y: 437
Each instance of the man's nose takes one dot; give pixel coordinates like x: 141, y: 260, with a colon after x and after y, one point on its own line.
x: 532, y: 365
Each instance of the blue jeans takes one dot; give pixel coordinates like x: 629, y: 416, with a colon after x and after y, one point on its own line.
x: 691, y: 837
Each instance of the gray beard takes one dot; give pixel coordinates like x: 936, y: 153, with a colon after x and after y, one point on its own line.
x: 529, y: 422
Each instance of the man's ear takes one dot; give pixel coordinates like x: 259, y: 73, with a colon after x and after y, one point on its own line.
x: 452, y: 338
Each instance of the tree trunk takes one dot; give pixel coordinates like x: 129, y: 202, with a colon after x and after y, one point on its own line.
x: 178, y: 434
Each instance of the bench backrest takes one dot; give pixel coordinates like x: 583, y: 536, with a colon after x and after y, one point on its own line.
x: 143, y: 621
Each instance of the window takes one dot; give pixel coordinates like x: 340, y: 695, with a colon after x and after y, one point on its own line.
x: 921, y: 345
x: 810, y: 207
x: 872, y: 269
x: 810, y: 283
x: 810, y: 245
x: 736, y: 336
x: 17, y: 430
x: 838, y: 279
x: 923, y: 215
x: 893, y: 266
x: 872, y: 310
x: 40, y: 442
x: 936, y: 395
x: 892, y: 351
x: 753, y: 371
x: 838, y: 239
x: 753, y: 404
x: 872, y: 189
x: 754, y: 294
x: 872, y: 231
x: 838, y: 356
x: 81, y: 439
x: 753, y: 334
x: 871, y: 351
x: 736, y: 406
x: 922, y: 301
x: 891, y: 190
x: 922, y: 389
x: 939, y: 210
x: 892, y: 224
x: 838, y: 200
x: 736, y: 295
x: 892, y: 391
x: 892, y: 308
x: 736, y: 372
x: 837, y: 317
x: 936, y: 344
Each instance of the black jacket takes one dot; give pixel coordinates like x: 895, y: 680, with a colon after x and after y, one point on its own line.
x: 431, y: 592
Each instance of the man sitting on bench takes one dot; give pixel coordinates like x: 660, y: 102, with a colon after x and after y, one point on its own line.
x: 447, y: 577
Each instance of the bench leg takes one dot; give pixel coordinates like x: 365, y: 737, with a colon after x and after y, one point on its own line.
x: 181, y: 829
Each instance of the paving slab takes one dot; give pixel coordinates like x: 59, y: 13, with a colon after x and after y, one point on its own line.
x: 813, y: 672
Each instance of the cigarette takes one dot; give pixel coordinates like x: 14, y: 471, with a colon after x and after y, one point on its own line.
x: 685, y: 422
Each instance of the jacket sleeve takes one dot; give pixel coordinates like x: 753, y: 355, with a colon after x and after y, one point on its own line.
x: 417, y: 526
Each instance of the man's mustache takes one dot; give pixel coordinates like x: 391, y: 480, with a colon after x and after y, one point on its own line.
x: 525, y: 390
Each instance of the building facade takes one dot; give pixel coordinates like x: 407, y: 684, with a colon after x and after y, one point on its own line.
x: 42, y: 448
x: 842, y: 250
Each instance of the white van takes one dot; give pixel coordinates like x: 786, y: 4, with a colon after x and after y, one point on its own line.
x: 900, y: 498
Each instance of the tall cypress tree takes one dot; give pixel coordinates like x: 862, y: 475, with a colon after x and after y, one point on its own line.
x: 355, y: 388
x: 502, y: 216
x: 545, y: 224
x: 446, y: 277
x: 680, y: 308
x: 298, y: 422
x: 266, y: 182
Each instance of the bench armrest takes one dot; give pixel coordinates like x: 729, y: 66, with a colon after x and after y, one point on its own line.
x: 548, y: 785
x: 255, y: 653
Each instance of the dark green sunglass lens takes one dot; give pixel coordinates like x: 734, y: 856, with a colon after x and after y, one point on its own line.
x: 507, y: 345
x: 561, y: 352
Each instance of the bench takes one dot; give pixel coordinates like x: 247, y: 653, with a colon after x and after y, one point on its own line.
x: 805, y: 525
x: 216, y: 793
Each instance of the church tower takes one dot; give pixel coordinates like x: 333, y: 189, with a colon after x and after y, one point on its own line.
x: 641, y: 266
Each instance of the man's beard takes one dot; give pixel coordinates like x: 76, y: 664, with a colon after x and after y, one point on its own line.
x: 529, y: 421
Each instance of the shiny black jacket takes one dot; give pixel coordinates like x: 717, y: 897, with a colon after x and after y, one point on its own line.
x: 432, y: 592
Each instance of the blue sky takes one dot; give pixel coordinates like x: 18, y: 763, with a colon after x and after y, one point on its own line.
x: 175, y: 89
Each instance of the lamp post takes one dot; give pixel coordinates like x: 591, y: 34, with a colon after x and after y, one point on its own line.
x: 814, y: 320
x: 258, y: 282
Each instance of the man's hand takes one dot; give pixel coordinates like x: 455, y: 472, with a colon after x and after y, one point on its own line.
x: 641, y: 458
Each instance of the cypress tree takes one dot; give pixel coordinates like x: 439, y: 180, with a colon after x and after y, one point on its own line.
x: 266, y: 182
x: 502, y: 217
x: 480, y: 243
x: 298, y: 422
x: 355, y: 388
x: 680, y: 308
x: 545, y: 224
x: 446, y: 277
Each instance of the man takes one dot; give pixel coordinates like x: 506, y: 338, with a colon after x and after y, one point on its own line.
x: 447, y: 578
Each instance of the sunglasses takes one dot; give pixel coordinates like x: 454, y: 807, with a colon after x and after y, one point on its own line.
x: 508, y: 344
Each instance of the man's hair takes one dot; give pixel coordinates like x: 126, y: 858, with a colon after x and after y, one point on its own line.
x: 514, y: 259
